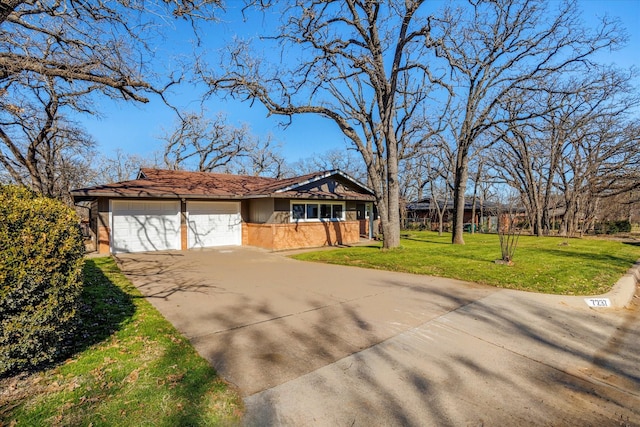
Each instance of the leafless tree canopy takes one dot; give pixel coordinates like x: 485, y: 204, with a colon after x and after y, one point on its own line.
x: 56, y: 56
x: 359, y: 64
x: 431, y: 100
x: 100, y: 44
x: 387, y: 73
x: 345, y: 160
x: 118, y: 166
x: 505, y: 49
x: 209, y: 144
x: 42, y: 147
x: 581, y: 150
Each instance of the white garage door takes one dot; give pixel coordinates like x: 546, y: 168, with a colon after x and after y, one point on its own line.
x: 214, y: 224
x: 139, y: 226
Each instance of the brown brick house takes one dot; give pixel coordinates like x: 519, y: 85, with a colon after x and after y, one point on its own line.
x: 168, y: 210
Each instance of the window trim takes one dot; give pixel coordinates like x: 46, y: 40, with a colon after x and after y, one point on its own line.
x: 319, y: 203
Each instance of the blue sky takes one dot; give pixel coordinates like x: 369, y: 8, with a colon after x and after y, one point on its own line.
x: 136, y: 128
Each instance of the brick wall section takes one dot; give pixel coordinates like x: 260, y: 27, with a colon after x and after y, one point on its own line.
x: 245, y: 234
x: 103, y: 232
x: 184, y: 241
x: 260, y: 235
x: 301, y: 235
x: 103, y: 240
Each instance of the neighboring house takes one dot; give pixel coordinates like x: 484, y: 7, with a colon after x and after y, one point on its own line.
x: 166, y: 210
x: 425, y: 211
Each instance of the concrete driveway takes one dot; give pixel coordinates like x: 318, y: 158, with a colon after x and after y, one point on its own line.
x: 314, y: 344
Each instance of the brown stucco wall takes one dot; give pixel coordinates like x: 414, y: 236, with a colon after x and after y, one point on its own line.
x: 282, y: 205
x: 260, y: 235
x: 260, y: 210
x: 302, y: 235
x: 269, y: 211
x: 244, y: 210
x: 281, y: 211
x: 351, y: 211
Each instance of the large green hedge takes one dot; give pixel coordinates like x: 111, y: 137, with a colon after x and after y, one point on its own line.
x: 612, y: 227
x: 41, y: 256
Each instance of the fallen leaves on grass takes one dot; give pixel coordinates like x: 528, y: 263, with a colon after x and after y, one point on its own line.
x: 133, y: 376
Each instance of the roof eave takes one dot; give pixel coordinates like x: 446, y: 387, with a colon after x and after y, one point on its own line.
x: 89, y: 195
x: 311, y: 196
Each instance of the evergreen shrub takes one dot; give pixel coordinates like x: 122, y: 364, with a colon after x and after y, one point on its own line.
x: 41, y: 257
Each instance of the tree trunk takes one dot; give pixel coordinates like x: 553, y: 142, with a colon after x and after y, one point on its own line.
x: 460, y: 187
x: 391, y: 229
x: 538, y: 226
x: 478, y: 176
x: 567, y: 218
x: 473, y: 212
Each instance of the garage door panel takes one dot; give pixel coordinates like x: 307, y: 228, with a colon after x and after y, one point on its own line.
x: 214, y: 224
x: 145, y: 226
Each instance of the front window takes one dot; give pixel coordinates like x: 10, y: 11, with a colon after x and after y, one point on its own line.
x: 303, y: 211
x: 336, y: 212
x: 312, y: 211
x: 325, y: 211
x: 297, y: 211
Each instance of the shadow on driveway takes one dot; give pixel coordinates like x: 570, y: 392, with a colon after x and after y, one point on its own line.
x: 314, y: 344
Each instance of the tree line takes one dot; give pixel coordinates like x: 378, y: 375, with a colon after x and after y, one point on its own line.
x: 461, y: 100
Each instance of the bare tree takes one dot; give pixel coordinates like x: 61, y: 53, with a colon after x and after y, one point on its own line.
x: 203, y: 144
x: 440, y: 175
x: 177, y: 8
x: 39, y: 146
x: 211, y: 144
x: 343, y: 160
x: 102, y: 44
x: 263, y: 158
x: 428, y: 171
x: 621, y: 207
x: 360, y: 64
x: 8, y: 6
x: 528, y: 154
x: 600, y: 158
x: 55, y: 57
x: 509, y: 226
x: 478, y: 175
x: 583, y: 147
x: 119, y: 166
x: 493, y: 49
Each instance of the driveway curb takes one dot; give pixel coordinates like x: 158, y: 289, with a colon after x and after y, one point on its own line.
x: 625, y: 288
x: 620, y: 296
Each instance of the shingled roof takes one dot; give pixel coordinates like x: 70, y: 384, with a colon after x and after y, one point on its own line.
x: 161, y: 183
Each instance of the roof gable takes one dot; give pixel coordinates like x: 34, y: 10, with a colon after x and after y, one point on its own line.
x: 317, y: 179
x: 330, y: 186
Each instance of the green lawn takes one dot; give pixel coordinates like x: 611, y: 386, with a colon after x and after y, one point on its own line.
x: 130, y: 368
x: 541, y: 264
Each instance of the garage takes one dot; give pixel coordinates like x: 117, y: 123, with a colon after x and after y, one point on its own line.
x: 213, y: 224
x: 140, y: 226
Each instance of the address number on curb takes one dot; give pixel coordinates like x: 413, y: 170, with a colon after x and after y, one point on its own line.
x: 598, y: 302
